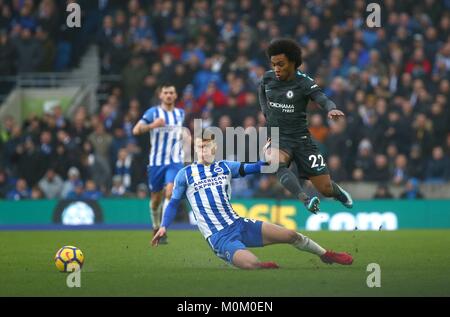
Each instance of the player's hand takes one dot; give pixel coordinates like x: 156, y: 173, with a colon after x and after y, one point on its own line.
x: 267, y: 145
x: 266, y: 151
x: 161, y: 232
x: 160, y: 122
x: 335, y: 114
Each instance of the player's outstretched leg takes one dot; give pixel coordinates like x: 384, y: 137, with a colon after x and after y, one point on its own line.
x: 273, y: 234
x: 328, y: 188
x: 244, y: 259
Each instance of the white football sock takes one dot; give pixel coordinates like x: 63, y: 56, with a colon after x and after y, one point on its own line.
x: 306, y: 244
x: 155, y: 215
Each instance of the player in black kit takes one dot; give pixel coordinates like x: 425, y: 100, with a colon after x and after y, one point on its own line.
x: 284, y: 93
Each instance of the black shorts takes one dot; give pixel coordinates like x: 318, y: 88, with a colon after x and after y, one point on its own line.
x: 306, y: 155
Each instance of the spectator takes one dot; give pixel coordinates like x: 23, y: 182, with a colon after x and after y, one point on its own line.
x: 73, y: 179
x: 358, y: 175
x: 211, y: 98
x: 337, y: 172
x: 62, y: 160
x: 397, y: 131
x: 438, y: 167
x: 29, y: 51
x: 118, y: 189
x: 5, y: 186
x: 339, y: 143
x: 20, y: 192
x: 422, y: 135
x: 416, y: 163
x: 133, y: 76
x: 91, y: 192
x: 399, y: 175
x: 48, y: 48
x: 380, y: 172
x: 418, y: 65
x: 7, y: 55
x: 317, y: 129
x: 95, y: 168
x: 77, y: 193
x: 382, y: 192
x: 412, y: 190
x: 126, y: 168
x: 51, y: 184
x: 30, y: 163
x: 142, y: 192
x: 364, y: 160
x: 36, y: 193
x: 99, y: 142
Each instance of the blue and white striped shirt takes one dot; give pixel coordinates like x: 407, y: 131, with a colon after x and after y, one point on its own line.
x: 207, y: 187
x: 166, y: 146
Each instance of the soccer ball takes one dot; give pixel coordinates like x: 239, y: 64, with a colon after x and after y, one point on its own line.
x: 69, y: 255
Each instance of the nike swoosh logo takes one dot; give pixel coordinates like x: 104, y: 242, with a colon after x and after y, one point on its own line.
x: 320, y: 168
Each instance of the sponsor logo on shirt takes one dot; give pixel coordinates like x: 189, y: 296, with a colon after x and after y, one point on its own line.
x: 209, y: 182
x: 283, y: 106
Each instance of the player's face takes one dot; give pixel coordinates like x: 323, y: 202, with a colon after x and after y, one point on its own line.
x: 168, y: 95
x: 205, y: 150
x: 282, y: 66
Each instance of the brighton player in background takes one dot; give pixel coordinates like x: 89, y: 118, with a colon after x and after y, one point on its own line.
x: 206, y: 184
x: 164, y: 122
x: 284, y: 94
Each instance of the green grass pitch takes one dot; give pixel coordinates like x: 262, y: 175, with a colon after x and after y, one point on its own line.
x: 121, y: 263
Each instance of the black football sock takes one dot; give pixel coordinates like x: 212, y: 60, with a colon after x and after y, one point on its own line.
x: 290, y: 181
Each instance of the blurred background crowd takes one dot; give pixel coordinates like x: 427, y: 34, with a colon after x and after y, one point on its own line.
x: 392, y: 82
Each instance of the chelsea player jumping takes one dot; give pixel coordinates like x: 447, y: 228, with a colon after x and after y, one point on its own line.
x: 284, y: 94
x: 206, y: 184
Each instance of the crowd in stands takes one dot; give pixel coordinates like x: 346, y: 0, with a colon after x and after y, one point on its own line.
x: 34, y: 35
x: 392, y: 82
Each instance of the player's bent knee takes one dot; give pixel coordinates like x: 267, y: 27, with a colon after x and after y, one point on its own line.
x: 292, y: 236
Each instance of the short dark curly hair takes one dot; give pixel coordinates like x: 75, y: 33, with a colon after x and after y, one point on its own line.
x: 288, y: 47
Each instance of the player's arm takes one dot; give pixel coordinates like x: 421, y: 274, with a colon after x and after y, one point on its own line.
x: 327, y: 104
x: 262, y: 98
x: 179, y: 190
x: 144, y: 127
x: 148, y: 123
x: 239, y: 169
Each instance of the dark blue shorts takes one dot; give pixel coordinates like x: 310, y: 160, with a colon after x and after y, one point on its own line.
x: 160, y: 176
x: 242, y: 234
